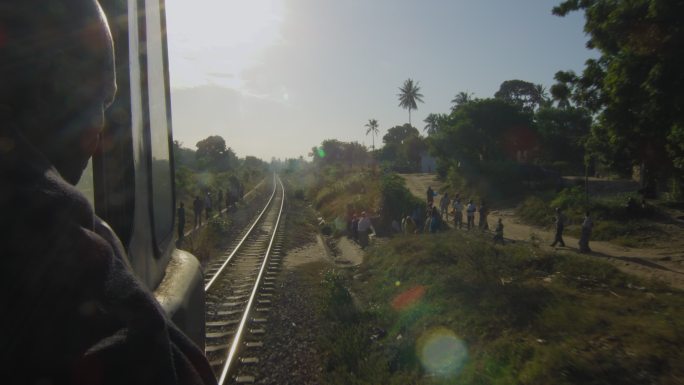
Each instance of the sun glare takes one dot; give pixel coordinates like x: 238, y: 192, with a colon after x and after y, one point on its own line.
x: 213, y: 41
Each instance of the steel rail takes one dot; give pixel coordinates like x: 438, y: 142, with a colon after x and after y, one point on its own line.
x: 238, y: 334
x: 239, y: 245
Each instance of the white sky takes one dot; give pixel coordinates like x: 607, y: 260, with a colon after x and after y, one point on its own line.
x: 277, y: 77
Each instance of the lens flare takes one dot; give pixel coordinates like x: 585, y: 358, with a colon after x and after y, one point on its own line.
x: 408, y: 298
x: 320, y: 152
x: 441, y: 352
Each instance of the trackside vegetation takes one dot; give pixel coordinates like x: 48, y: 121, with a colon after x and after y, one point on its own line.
x: 452, y: 308
x: 634, y: 226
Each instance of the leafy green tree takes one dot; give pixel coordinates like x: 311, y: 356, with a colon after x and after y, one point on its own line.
x: 213, y: 154
x: 372, y: 128
x: 334, y: 152
x: 563, y: 133
x: 519, y: 92
x: 402, y: 149
x: 461, y: 98
x: 408, y: 96
x: 482, y: 131
x: 183, y: 157
x: 432, y: 125
x: 637, y: 84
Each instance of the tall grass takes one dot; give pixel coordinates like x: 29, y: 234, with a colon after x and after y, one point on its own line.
x: 526, y: 316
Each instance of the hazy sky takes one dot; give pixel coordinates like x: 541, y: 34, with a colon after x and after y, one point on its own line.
x: 277, y: 77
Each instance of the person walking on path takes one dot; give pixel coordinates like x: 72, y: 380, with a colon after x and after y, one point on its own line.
x: 364, y: 228
x: 560, y: 224
x: 430, y: 196
x: 458, y: 212
x: 219, y: 202
x: 470, y: 213
x: 409, y: 225
x: 444, y: 206
x: 181, y: 221
x: 207, y: 206
x: 355, y: 227
x: 197, y: 207
x: 435, y: 221
x: 587, y: 226
x: 498, y: 232
x: 428, y: 219
x: 417, y: 218
x: 484, y: 211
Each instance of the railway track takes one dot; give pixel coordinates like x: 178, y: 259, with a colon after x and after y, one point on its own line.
x: 238, y: 290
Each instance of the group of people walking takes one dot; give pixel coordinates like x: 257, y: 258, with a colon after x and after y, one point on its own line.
x: 587, y: 226
x: 359, y: 228
x: 482, y: 211
x: 436, y: 216
x: 206, y: 205
x: 457, y: 206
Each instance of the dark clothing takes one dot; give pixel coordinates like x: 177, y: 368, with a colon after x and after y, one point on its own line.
x: 560, y: 224
x: 430, y: 196
x: 435, y: 221
x: 198, y: 205
x: 498, y: 233
x: 355, y: 228
x: 484, y: 211
x: 587, y: 226
x: 74, y: 312
x: 181, y: 222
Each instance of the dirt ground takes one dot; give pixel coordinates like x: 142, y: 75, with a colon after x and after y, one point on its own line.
x: 664, y: 262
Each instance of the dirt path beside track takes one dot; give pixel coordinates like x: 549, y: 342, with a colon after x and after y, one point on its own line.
x: 663, y: 262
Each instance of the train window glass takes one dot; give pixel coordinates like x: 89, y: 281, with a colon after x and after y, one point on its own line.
x: 162, y: 200
x: 86, y: 185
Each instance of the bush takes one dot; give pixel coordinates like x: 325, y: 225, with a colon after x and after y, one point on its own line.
x: 337, y: 304
x: 396, y: 199
x: 535, y: 211
x: 572, y: 197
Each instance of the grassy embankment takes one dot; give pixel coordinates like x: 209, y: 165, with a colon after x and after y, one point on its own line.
x: 452, y: 308
x: 334, y: 190
x: 612, y: 220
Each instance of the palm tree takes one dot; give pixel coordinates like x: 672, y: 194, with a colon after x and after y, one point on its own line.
x: 432, y: 125
x: 542, y: 96
x: 372, y: 129
x: 410, y: 93
x: 461, y: 98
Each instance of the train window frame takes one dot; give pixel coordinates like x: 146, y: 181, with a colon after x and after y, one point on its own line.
x: 160, y: 243
x: 114, y: 164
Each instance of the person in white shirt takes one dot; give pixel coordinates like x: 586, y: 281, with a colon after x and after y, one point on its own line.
x: 458, y: 212
x: 365, y: 226
x: 470, y: 212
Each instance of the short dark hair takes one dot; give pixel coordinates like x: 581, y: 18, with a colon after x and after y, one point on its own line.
x: 32, y: 34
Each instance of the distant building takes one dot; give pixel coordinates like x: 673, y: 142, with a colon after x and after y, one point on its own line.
x: 428, y: 164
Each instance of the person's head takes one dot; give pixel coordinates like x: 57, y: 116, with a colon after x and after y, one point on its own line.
x: 558, y: 210
x: 586, y: 214
x: 363, y: 214
x: 182, y: 204
x: 56, y: 78
x: 500, y: 220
